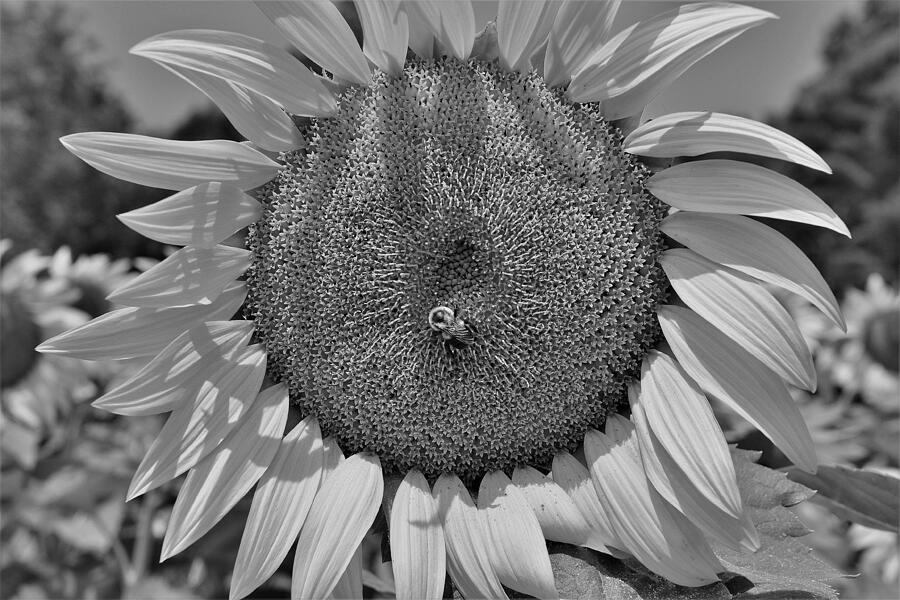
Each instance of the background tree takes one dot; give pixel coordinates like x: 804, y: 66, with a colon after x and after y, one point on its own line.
x: 48, y: 89
x: 851, y: 116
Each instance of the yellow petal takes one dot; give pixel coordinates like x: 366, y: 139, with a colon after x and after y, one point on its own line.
x: 517, y: 549
x: 467, y: 539
x: 417, y: 541
x: 338, y: 520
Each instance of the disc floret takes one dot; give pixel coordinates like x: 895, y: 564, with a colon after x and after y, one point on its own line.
x: 457, y: 195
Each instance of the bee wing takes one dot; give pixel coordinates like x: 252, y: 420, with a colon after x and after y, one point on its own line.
x: 460, y: 331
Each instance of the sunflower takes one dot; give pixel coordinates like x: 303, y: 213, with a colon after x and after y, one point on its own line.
x: 35, y: 390
x: 460, y: 269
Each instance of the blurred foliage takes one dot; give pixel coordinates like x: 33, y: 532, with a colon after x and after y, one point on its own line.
x: 854, y: 419
x: 851, y: 116
x: 48, y: 90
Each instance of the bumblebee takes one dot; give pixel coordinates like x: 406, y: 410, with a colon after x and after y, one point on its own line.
x: 452, y: 328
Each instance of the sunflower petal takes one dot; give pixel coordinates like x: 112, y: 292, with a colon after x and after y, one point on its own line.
x: 256, y: 117
x: 317, y: 29
x: 517, y: 550
x: 622, y: 431
x: 281, y: 502
x: 728, y: 372
x: 680, y: 416
x: 246, y: 61
x: 631, y: 69
x: 189, y: 276
x: 417, y: 541
x: 385, y: 33
x: 332, y: 458
x: 164, y: 383
x: 521, y: 28
x: 744, y: 311
x: 575, y: 480
x: 420, y: 38
x: 452, y: 22
x: 138, y: 332
x: 350, y: 584
x: 699, y: 132
x: 757, y: 250
x: 201, y: 216
x: 557, y: 513
x: 218, y: 481
x: 658, y: 536
x: 171, y: 164
x: 338, y: 520
x: 673, y: 485
x: 578, y: 30
x: 467, y: 538
x: 731, y: 187
x: 196, y: 429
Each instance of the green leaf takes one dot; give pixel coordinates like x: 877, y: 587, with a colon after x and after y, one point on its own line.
x: 865, y: 497
x: 94, y: 531
x: 783, y: 567
x: 581, y: 573
x: 159, y: 587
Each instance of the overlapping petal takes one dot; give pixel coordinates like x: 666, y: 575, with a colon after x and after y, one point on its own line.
x: 256, y: 117
x: 660, y: 537
x: 420, y: 37
x: 178, y: 370
x: 385, y: 33
x: 731, y: 187
x: 557, y: 513
x: 452, y: 22
x: 667, y: 477
x: 680, y: 416
x: 744, y: 311
x: 245, y: 61
x: 575, y: 480
x: 171, y: 164
x: 197, y: 428
x: 699, y: 132
x: 638, y: 63
x: 517, y: 549
x: 467, y: 538
x: 340, y: 515
x: 332, y: 458
x: 729, y: 373
x: 281, y: 502
x: 189, y: 276
x: 218, y: 481
x: 350, y: 583
x: 521, y: 28
x: 200, y: 216
x: 418, y: 554
x: 755, y: 249
x: 138, y: 332
x: 578, y: 31
x: 317, y: 29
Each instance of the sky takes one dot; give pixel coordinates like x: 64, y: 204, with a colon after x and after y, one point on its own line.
x: 757, y: 74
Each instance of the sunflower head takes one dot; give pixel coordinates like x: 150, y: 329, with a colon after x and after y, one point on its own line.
x: 20, y: 336
x: 461, y: 271
x: 26, y: 295
x: 457, y: 184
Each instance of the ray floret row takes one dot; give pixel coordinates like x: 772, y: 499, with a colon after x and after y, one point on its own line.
x: 654, y: 487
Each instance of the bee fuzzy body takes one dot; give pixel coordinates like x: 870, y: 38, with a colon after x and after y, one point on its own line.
x: 453, y: 329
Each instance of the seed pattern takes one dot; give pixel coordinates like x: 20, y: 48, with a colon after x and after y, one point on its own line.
x: 458, y: 185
